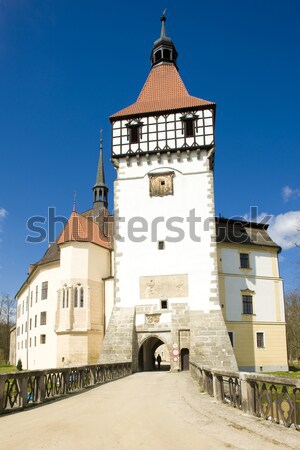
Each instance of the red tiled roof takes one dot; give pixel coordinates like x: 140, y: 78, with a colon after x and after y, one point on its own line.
x: 163, y: 91
x: 81, y: 229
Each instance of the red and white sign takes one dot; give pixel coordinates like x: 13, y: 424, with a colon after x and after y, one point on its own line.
x: 175, y: 352
x: 175, y: 359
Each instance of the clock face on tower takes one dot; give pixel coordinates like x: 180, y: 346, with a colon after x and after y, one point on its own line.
x: 162, y: 133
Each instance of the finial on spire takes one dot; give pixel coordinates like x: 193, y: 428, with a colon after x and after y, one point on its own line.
x: 100, y: 189
x: 163, y: 20
x: 74, y: 202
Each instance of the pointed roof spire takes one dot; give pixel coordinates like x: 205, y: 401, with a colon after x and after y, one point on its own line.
x: 100, y: 179
x: 74, y: 202
x: 100, y: 189
x: 163, y: 49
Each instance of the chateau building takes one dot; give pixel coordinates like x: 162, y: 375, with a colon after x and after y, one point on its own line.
x: 207, y: 289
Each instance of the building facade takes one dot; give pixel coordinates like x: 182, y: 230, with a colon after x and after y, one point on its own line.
x: 207, y: 289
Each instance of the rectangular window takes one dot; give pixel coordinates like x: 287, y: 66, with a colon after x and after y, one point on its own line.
x: 25, y: 326
x: 44, y: 293
x: 35, y: 321
x: 31, y: 298
x: 35, y: 341
x: 230, y: 334
x: 23, y: 307
x: 43, y: 319
x: 30, y: 324
x: 189, y: 127
x: 134, y: 132
x: 164, y: 304
x: 81, y: 298
x: 18, y: 331
x: 244, y: 261
x: 19, y: 310
x: 161, y: 245
x: 247, y: 304
x: 36, y: 294
x: 29, y: 342
x: 43, y: 339
x: 26, y: 303
x: 260, y: 340
x: 22, y: 329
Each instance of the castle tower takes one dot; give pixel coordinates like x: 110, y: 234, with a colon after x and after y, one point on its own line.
x: 166, y: 278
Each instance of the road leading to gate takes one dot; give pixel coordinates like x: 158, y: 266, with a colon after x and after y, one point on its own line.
x: 154, y: 410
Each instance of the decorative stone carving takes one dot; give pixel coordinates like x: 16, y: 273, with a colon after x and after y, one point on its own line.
x: 164, y: 286
x: 161, y: 184
x: 152, y: 318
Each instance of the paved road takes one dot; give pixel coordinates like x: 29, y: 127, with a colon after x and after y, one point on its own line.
x: 146, y: 411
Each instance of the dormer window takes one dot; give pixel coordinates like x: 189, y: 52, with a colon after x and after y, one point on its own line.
x: 189, y: 123
x: 134, y: 131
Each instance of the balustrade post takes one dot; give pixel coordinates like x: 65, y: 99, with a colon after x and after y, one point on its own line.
x: 218, y: 387
x: 251, y: 397
x: 41, y: 386
x: 23, y: 391
x: 245, y: 392
x: 2, y: 386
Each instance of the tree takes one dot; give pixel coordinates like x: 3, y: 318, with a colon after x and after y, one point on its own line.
x: 292, y: 312
x: 7, y: 320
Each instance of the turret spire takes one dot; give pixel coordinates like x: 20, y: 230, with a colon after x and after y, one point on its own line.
x: 100, y: 189
x: 163, y: 49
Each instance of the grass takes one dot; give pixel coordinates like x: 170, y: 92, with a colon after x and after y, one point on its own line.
x: 6, y: 369
x: 293, y: 373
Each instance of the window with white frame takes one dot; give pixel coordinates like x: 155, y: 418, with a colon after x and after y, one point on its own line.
x: 44, y: 292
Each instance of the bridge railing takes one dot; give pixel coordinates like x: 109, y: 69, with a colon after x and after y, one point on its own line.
x: 267, y: 396
x: 20, y: 389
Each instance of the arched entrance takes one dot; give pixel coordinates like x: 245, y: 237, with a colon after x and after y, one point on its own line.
x: 147, y: 353
x: 185, y: 359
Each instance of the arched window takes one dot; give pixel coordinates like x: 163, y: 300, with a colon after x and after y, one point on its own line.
x: 81, y: 297
x: 76, y: 297
x: 63, y: 298
x: 67, y: 298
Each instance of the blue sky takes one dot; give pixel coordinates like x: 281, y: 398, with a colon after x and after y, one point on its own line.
x: 65, y: 66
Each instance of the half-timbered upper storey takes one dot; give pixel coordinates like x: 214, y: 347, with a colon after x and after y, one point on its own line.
x: 165, y: 117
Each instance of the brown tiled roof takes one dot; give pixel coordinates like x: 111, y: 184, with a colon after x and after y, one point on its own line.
x: 236, y: 231
x: 163, y: 91
x: 52, y: 254
x: 82, y: 229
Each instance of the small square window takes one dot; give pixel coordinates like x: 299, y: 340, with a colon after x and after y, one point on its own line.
x: 43, y: 339
x: 161, y: 245
x: 244, y: 261
x: 164, y: 304
x: 260, y: 340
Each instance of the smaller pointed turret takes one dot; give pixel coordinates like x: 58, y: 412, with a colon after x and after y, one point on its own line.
x: 100, y: 190
x: 163, y: 49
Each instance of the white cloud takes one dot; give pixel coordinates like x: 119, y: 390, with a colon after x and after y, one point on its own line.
x: 289, y: 193
x: 3, y: 214
x: 284, y: 228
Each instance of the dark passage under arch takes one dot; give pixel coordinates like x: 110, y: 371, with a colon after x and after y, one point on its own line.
x: 147, y: 355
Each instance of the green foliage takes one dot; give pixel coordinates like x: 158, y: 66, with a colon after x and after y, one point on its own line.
x: 7, y: 369
x: 292, y: 313
x: 19, y: 365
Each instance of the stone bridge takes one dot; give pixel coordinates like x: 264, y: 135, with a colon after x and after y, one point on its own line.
x: 146, y: 410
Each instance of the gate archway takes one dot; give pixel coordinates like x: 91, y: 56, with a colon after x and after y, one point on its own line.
x: 147, y: 355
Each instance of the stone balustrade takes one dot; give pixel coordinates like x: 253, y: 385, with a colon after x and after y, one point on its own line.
x: 21, y: 389
x: 267, y: 396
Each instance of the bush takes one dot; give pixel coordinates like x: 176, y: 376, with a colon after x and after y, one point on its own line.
x: 19, y: 365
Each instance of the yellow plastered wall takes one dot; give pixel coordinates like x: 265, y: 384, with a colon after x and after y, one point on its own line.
x: 245, y: 348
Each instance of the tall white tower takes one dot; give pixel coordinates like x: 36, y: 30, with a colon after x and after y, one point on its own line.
x: 166, y: 279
